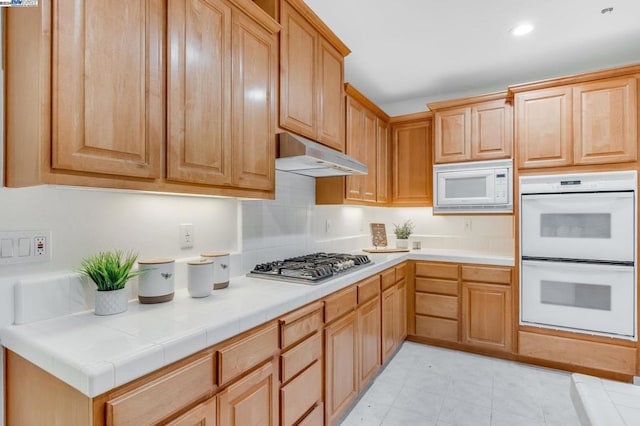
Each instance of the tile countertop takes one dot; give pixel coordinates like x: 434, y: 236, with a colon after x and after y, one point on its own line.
x: 96, y: 354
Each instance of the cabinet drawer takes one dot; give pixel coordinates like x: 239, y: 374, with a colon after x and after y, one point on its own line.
x: 300, y: 324
x: 301, y: 394
x: 315, y: 417
x: 437, y: 328
x: 301, y: 356
x: 432, y: 285
x: 401, y: 271
x: 164, y: 396
x: 340, y: 303
x: 245, y: 354
x: 487, y: 274
x: 602, y: 356
x: 368, y: 289
x: 437, y: 270
x: 388, y: 278
x: 437, y: 305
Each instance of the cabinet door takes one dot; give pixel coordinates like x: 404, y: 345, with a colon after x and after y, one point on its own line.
x: 330, y: 96
x: 388, y: 322
x: 543, y: 128
x: 491, y: 130
x: 108, y: 87
x: 369, y: 338
x: 355, y: 137
x: 486, y: 315
x: 254, y: 94
x: 298, y: 63
x: 453, y: 135
x: 605, y: 127
x: 412, y: 171
x: 401, y: 307
x: 369, y: 147
x: 199, y: 92
x: 252, y: 400
x: 383, y: 171
x: 201, y: 415
x: 341, y: 366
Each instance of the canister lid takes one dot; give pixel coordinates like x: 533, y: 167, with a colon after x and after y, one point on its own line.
x: 155, y: 261
x: 200, y: 262
x: 214, y: 254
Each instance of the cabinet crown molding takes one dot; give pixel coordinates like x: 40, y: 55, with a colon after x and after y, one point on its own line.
x: 416, y: 116
x: 576, y: 78
x: 366, y: 102
x: 319, y: 25
x: 435, y: 106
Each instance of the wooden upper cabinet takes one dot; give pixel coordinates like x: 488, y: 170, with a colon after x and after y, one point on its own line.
x: 107, y: 107
x: 255, y: 67
x: 605, y: 126
x: 471, y: 129
x: 579, y: 120
x: 491, y: 130
x: 369, y: 147
x: 199, y: 91
x: 411, y: 161
x: 383, y: 160
x: 355, y: 137
x: 453, y: 135
x: 311, y: 76
x: 544, y: 128
x: 330, y: 96
x: 298, y: 68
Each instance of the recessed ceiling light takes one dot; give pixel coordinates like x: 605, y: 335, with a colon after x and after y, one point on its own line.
x: 522, y: 29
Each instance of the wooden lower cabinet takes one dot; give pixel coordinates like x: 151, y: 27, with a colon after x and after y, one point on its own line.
x: 394, y: 322
x: 486, y: 315
x: 252, y: 400
x: 368, y: 316
x: 204, y: 414
x: 301, y: 394
x: 314, y: 418
x: 341, y: 378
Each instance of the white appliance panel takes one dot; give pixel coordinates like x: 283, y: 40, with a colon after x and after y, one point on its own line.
x: 580, y: 297
x: 579, y: 226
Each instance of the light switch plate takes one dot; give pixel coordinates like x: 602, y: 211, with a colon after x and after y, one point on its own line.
x: 27, y: 246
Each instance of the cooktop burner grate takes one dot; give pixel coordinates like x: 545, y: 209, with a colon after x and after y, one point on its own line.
x: 310, y: 268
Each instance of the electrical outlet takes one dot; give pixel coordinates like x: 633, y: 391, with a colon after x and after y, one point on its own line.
x: 40, y: 246
x: 468, y: 225
x: 186, y: 235
x: 327, y: 226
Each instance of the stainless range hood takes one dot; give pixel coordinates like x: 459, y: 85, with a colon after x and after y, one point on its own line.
x: 302, y: 156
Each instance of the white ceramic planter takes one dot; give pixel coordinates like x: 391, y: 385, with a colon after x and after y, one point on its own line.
x: 402, y: 243
x: 156, y: 284
x: 111, y: 302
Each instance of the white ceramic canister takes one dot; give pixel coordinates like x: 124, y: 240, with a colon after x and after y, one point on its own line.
x: 220, y: 268
x: 156, y: 283
x: 200, y: 277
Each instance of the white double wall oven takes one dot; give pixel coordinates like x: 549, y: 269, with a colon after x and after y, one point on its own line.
x: 578, y: 253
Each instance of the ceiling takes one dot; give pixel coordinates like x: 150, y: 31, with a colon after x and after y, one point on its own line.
x: 408, y: 52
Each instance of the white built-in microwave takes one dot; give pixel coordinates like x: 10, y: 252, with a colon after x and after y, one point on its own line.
x: 475, y: 187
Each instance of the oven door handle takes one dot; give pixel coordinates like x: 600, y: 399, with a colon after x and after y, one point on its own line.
x: 548, y: 264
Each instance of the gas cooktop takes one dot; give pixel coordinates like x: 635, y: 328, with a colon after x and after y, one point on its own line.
x: 310, y: 269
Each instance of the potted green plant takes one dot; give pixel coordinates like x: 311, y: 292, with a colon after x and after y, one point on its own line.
x: 403, y: 232
x: 110, y: 271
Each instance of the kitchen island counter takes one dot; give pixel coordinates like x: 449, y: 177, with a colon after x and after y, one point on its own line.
x: 95, y: 354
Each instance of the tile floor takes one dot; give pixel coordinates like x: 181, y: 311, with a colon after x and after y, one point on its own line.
x: 425, y: 385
